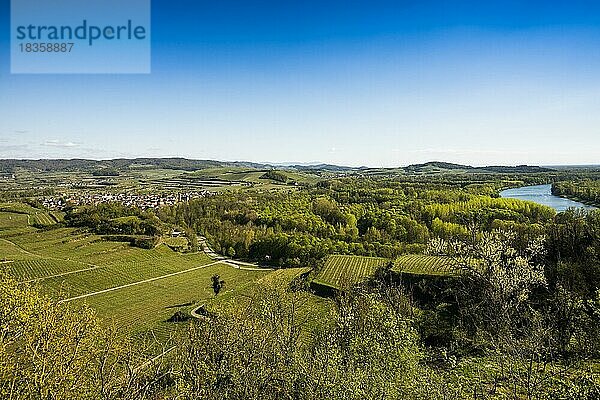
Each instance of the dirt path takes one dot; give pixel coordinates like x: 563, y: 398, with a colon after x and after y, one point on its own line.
x: 83, y: 296
x: 91, y: 267
x: 194, y: 313
x: 154, y: 359
x: 253, y: 267
x: 22, y: 250
x: 243, y: 265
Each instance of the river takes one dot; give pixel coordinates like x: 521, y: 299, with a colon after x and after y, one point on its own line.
x: 542, y: 194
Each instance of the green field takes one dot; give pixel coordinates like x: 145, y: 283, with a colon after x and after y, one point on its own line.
x: 43, y: 219
x: 148, y: 306
x: 9, y: 220
x: 138, y: 289
x: 419, y: 264
x: 341, y: 271
x: 18, y: 208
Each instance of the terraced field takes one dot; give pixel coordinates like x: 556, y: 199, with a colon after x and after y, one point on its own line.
x: 419, y: 264
x: 340, y: 271
x: 138, y: 289
x: 44, y: 219
x: 18, y: 208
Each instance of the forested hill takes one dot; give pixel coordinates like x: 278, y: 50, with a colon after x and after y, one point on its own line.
x: 439, y: 166
x: 63, y: 165
x: 9, y: 166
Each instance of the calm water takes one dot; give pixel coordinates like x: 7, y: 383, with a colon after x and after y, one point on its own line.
x: 542, y: 194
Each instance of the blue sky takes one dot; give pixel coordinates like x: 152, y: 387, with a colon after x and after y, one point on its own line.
x: 354, y: 83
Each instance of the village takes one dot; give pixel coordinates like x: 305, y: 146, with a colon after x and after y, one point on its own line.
x: 143, y: 201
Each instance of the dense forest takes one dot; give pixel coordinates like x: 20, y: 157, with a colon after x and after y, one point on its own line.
x: 372, y: 217
x: 587, y: 191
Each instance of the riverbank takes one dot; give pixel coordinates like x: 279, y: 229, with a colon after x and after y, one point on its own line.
x: 576, y: 199
x: 542, y: 194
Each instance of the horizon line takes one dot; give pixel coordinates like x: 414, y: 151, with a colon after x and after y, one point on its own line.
x: 293, y: 163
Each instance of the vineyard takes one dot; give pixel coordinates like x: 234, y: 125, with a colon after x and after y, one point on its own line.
x: 340, y: 271
x: 418, y: 264
x: 145, y: 287
x: 18, y: 208
x: 43, y: 219
x: 149, y: 305
x: 52, y: 257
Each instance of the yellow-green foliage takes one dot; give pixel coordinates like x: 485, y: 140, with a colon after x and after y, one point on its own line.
x: 448, y: 230
x: 340, y: 271
x: 420, y: 264
x: 282, y: 278
x: 179, y: 242
x: 510, y: 208
x: 52, y: 351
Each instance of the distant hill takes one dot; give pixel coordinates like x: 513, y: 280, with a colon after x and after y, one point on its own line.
x: 439, y: 166
x: 322, y: 167
x: 521, y: 169
x: 436, y: 165
x: 184, y: 164
x: 64, y: 165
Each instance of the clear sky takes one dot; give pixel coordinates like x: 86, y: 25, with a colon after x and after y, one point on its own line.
x: 373, y: 83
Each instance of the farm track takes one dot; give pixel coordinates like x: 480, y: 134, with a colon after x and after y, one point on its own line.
x: 83, y: 296
x: 154, y: 359
x: 91, y: 267
x: 238, y: 265
x: 22, y: 250
x: 242, y: 265
x: 195, y: 314
x: 223, y: 262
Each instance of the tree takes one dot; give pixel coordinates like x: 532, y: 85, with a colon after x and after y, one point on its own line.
x: 50, y: 350
x: 231, y: 252
x: 217, y: 283
x: 368, y: 351
x: 193, y: 239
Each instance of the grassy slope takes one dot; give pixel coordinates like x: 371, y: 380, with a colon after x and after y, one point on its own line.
x: 92, y: 264
x: 419, y: 264
x: 341, y: 270
x: 311, y: 311
x: 149, y: 305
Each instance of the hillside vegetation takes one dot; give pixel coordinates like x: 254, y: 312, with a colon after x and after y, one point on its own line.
x: 339, y: 283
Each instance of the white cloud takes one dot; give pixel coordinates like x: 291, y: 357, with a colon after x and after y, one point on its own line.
x: 58, y: 143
